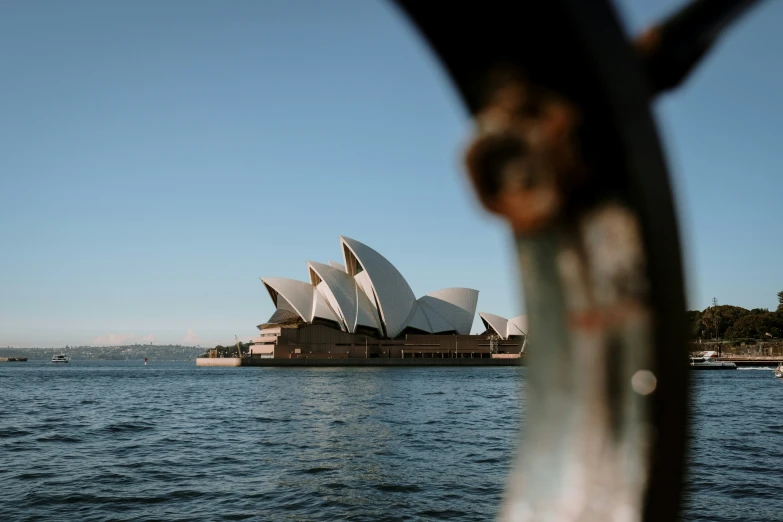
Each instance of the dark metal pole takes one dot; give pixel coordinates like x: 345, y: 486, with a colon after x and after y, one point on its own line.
x: 566, y: 152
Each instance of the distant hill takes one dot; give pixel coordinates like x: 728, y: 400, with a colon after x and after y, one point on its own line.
x: 170, y: 352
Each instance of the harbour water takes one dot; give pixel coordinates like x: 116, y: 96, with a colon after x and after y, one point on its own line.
x: 169, y: 441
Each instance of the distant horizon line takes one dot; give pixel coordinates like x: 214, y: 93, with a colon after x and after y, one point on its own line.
x: 8, y: 347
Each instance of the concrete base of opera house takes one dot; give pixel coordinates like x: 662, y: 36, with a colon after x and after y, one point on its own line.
x: 345, y: 362
x: 219, y: 361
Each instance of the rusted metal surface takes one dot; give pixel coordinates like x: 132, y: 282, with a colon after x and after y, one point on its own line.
x: 525, y: 157
x: 586, y: 281
x: 566, y: 152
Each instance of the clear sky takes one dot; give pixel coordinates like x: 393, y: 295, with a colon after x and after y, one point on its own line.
x: 156, y: 158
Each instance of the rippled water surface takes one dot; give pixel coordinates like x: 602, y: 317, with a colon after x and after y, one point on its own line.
x: 736, y: 460
x: 120, y: 441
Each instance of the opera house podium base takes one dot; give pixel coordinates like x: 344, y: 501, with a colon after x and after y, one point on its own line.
x: 345, y: 362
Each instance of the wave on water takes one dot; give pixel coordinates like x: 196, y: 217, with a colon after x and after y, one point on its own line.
x: 121, y: 427
x: 13, y: 432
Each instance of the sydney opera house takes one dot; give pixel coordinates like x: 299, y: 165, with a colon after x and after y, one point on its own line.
x: 364, y: 308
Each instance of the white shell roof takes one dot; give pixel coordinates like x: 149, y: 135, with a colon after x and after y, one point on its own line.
x: 326, y: 292
x: 395, y: 298
x: 369, y: 291
x: 419, y: 320
x: 365, y: 285
x: 342, y: 287
x: 438, y: 323
x: 505, y: 327
x: 456, y: 305
x: 366, y: 314
x: 297, y: 293
x: 321, y: 308
x: 497, y: 323
x: 517, y: 325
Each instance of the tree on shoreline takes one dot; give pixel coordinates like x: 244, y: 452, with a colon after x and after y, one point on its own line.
x: 704, y: 324
x: 736, y: 322
x: 757, y: 326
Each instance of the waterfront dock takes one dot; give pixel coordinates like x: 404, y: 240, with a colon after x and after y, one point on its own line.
x: 358, y: 362
x: 756, y: 360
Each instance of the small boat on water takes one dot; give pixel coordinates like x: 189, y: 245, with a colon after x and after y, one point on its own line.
x: 709, y: 361
x: 60, y: 358
x: 779, y: 370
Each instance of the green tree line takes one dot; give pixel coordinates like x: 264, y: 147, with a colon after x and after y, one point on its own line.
x: 229, y: 351
x: 734, y: 322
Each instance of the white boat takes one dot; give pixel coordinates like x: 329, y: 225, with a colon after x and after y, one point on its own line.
x: 61, y: 358
x: 709, y: 361
x: 779, y: 371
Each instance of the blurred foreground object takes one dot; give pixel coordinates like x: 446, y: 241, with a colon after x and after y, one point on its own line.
x: 565, y: 151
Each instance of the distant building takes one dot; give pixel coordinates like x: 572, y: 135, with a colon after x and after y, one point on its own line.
x: 364, y: 307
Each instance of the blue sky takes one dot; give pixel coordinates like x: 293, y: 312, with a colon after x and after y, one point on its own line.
x: 158, y: 157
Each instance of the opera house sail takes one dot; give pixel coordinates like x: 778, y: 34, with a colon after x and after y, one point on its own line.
x: 364, y: 307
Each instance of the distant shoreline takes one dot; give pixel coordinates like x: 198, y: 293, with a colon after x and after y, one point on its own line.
x: 44, y: 359
x: 109, y: 353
